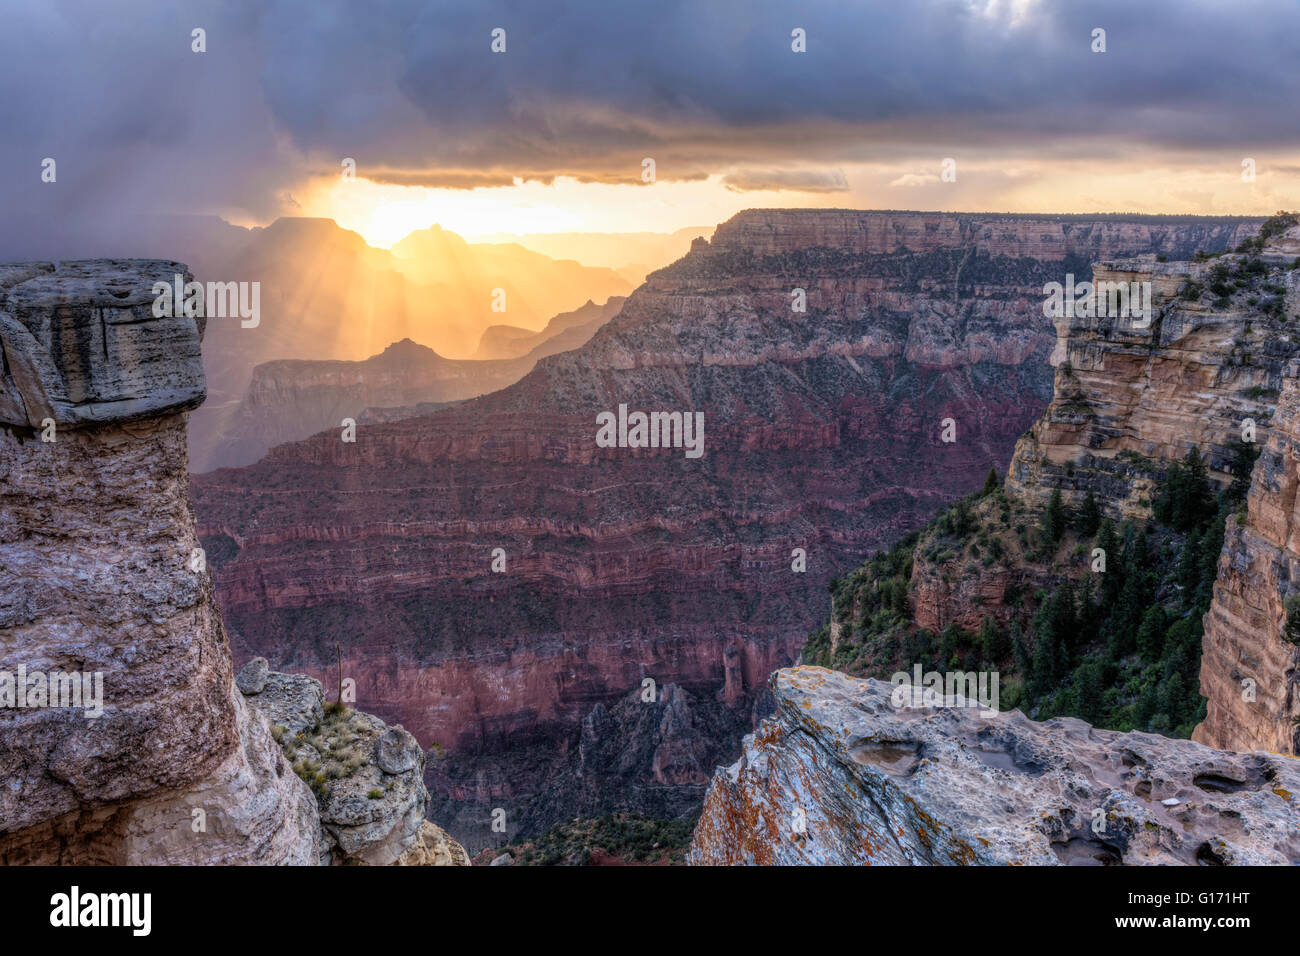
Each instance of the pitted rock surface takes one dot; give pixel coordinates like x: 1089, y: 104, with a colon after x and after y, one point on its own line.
x: 839, y: 776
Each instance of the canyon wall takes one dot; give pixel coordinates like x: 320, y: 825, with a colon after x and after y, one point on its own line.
x: 1214, y: 373
x: 96, y: 543
x: 841, y: 775
x: 823, y: 432
x: 1213, y: 369
x: 1250, y: 663
x: 1129, y: 399
x: 292, y: 399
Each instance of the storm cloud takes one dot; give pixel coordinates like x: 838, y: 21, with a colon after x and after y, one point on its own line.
x: 413, y: 91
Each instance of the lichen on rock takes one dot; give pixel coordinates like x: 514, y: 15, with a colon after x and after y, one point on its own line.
x: 841, y: 776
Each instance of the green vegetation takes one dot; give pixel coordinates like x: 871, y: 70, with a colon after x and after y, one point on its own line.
x: 619, y: 837
x: 1274, y: 225
x: 332, y: 749
x: 1292, y: 631
x: 1114, y: 640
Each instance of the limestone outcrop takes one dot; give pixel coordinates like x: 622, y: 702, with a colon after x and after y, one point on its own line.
x: 839, y: 775
x: 103, y: 592
x: 368, y: 777
x: 1130, y: 397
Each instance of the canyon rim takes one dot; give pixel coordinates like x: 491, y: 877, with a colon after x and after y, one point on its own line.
x: 620, y: 436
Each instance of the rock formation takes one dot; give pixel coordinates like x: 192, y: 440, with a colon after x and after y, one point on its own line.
x: 1250, y: 664
x: 97, y: 542
x: 368, y: 778
x: 122, y: 737
x: 293, y: 398
x: 568, y: 330
x: 823, y: 433
x: 1042, y: 237
x: 649, y: 756
x: 1207, y: 373
x: 1128, y: 399
x: 841, y: 776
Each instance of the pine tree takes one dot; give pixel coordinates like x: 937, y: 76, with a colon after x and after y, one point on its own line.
x: 992, y: 641
x: 1048, y: 662
x: 1151, y: 633
x: 1065, y: 622
x: 1189, y: 566
x: 990, y: 483
x: 1053, y: 523
x: 1089, y: 616
x: 1088, y: 690
x: 1020, y: 650
x: 1111, y: 581
x: 1089, y: 516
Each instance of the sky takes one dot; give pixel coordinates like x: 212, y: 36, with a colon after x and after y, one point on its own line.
x: 552, y: 134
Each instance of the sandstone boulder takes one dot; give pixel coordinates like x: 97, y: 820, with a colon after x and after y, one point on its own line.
x: 251, y: 678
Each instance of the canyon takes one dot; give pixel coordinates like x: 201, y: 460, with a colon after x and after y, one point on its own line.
x: 1138, y: 408
x: 291, y: 399
x: 328, y: 296
x: 616, y: 566
x: 101, y: 574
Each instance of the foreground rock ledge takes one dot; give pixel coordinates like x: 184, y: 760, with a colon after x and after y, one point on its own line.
x: 946, y: 786
x: 368, y: 777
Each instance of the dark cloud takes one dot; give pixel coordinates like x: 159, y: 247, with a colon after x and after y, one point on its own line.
x: 804, y: 180
x: 588, y: 88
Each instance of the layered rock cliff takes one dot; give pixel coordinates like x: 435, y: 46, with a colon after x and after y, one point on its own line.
x: 1152, y: 417
x: 1128, y: 399
x: 293, y: 398
x: 96, y: 581
x: 823, y: 432
x: 841, y: 776
x: 1250, y: 664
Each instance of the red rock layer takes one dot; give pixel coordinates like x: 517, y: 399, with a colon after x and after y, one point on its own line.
x: 822, y: 432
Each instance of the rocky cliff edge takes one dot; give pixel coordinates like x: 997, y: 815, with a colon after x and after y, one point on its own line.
x: 841, y: 776
x: 122, y: 737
